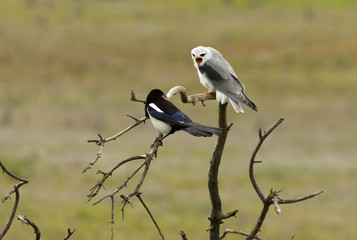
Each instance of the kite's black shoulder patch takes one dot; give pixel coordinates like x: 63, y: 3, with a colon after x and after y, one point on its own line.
x: 209, y: 72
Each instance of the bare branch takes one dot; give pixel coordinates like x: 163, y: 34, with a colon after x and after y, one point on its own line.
x: 262, y: 137
x: 99, y: 154
x: 133, y: 98
x: 27, y: 221
x: 101, y: 141
x: 96, y: 188
x: 230, y: 214
x: 183, y: 235
x: 69, y: 233
x: 136, y: 192
x: 13, y: 212
x: 112, y: 217
x: 273, y: 197
x: 7, y: 196
x: 138, y: 195
x: 237, y: 232
x: 192, y: 98
x: 287, y: 201
x: 24, y: 180
x: 114, y: 137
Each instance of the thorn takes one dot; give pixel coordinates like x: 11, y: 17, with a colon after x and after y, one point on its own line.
x: 100, y: 137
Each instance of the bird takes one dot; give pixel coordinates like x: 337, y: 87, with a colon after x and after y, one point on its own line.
x: 216, y: 74
x: 167, y: 118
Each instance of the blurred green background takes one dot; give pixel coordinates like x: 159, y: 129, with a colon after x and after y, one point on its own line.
x: 66, y: 71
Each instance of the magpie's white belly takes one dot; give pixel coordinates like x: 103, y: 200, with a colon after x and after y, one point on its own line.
x: 160, y: 126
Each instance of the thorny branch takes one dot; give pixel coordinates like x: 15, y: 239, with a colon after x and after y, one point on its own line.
x: 146, y: 158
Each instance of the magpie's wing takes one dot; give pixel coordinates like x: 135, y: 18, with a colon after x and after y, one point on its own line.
x: 167, y: 115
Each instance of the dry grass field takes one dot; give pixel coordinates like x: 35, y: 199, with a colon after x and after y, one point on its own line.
x: 66, y: 71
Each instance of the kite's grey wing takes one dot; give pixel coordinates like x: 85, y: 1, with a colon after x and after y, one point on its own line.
x: 223, y: 79
x: 220, y: 74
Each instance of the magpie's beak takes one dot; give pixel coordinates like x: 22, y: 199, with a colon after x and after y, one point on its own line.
x: 198, y: 60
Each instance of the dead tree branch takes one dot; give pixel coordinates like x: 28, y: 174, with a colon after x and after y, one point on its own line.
x: 183, y: 235
x: 69, y: 233
x: 273, y: 197
x: 7, y: 196
x: 237, y: 232
x: 138, y: 195
x: 23, y: 219
x: 27, y: 221
x: 101, y: 141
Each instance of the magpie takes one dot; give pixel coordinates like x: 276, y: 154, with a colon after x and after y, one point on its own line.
x: 167, y: 118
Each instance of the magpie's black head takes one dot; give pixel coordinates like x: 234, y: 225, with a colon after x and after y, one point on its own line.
x: 154, y: 95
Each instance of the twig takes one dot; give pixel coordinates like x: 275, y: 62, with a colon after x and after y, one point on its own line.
x: 183, y: 235
x: 112, y: 217
x: 96, y: 188
x: 69, y: 233
x: 133, y: 98
x: 287, y: 201
x: 99, y: 154
x: 237, y: 232
x: 27, y: 221
x: 230, y: 214
x: 25, y: 180
x: 101, y: 141
x: 138, y: 195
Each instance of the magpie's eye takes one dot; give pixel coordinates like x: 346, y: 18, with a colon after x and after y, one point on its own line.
x: 193, y: 55
x: 202, y: 54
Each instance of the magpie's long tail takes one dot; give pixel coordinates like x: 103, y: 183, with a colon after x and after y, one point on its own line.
x: 200, y: 130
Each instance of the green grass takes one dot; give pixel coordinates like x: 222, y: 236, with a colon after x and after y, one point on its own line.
x: 66, y: 71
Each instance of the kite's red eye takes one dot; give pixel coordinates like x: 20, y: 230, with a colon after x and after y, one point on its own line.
x: 202, y: 54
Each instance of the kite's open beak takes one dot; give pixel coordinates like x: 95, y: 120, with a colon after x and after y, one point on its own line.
x: 198, y: 60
